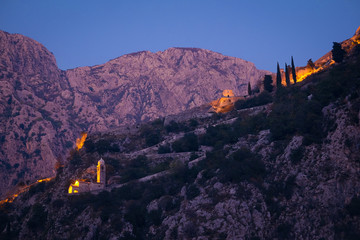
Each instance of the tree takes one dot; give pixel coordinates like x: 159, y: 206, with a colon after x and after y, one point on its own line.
x: 249, y: 89
x: 337, y: 52
x: 278, y: 77
x: 310, y: 65
x: 287, y: 78
x: 268, y: 83
x: 293, y: 69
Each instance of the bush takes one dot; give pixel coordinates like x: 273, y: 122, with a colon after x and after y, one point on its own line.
x: 187, y: 143
x: 38, y: 217
x: 218, y: 136
x: 38, y: 187
x: 192, y: 191
x: 75, y: 158
x: 243, y: 165
x: 297, y: 154
x: 250, y: 125
x: 262, y: 99
x: 154, y: 217
x: 353, y: 207
x: 152, y: 133
x: 164, y: 149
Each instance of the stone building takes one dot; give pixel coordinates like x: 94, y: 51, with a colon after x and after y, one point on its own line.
x: 226, y: 103
x: 83, y: 186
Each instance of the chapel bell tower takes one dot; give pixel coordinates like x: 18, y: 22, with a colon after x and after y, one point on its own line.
x: 101, y: 172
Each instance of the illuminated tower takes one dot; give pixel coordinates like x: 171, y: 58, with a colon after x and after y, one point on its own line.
x: 101, y: 172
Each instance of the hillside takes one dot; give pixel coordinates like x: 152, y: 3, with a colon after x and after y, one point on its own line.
x: 44, y: 109
x: 285, y: 167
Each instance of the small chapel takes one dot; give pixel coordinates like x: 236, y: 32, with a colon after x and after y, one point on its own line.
x: 225, y: 103
x: 81, y: 186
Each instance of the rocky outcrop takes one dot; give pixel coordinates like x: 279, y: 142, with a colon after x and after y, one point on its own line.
x: 43, y: 109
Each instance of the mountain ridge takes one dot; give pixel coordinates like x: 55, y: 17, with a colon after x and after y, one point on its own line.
x: 44, y: 109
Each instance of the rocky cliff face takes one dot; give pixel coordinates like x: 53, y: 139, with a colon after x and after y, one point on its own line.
x: 35, y: 123
x: 142, y: 86
x: 43, y: 109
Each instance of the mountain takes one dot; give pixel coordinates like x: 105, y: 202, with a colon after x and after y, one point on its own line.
x: 282, y: 165
x: 44, y: 109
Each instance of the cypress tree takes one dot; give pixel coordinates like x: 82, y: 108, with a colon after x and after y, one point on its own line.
x: 278, y: 77
x: 268, y: 83
x: 249, y: 89
x: 287, y: 78
x: 293, y: 69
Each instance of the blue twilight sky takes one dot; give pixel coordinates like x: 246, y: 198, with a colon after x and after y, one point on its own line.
x: 87, y: 32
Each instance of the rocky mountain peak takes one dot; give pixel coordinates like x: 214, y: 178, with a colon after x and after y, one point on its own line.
x: 43, y: 109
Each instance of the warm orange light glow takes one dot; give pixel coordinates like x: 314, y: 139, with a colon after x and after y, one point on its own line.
x: 76, y: 183
x: 302, y: 74
x: 80, y: 141
x: 70, y: 189
x: 76, y: 191
x: 44, y: 180
x: 226, y: 103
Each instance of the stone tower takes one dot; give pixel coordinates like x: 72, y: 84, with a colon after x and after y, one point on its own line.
x: 101, y: 172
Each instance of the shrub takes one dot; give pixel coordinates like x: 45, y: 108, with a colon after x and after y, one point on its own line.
x: 154, y: 217
x: 353, y: 207
x: 243, y: 165
x: 262, y: 99
x: 250, y: 125
x: 75, y: 158
x: 38, y: 217
x: 218, y: 136
x: 297, y: 154
x: 39, y: 187
x: 58, y: 203
x: 192, y: 191
x: 187, y: 143
x: 164, y: 149
x: 151, y: 133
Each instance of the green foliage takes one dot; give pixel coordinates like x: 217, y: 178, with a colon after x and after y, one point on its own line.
x: 137, y: 168
x: 297, y: 154
x: 262, y: 99
x: 249, y: 89
x: 250, y: 125
x: 243, y: 165
x: 293, y: 113
x: 4, y: 219
x: 353, y: 207
x: 58, y: 203
x: 104, y: 145
x: 284, y: 231
x: 89, y: 146
x: 268, y: 83
x: 152, y: 133
x: 218, y: 136
x: 293, y: 69
x: 187, y: 143
x: 173, y: 127
x: 38, y: 217
x: 278, y: 77
x: 75, y: 158
x: 287, y: 77
x: 310, y: 65
x: 154, y: 217
x: 192, y: 191
x: 337, y: 52
x: 164, y: 149
x: 69, y: 144
x: 38, y: 187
